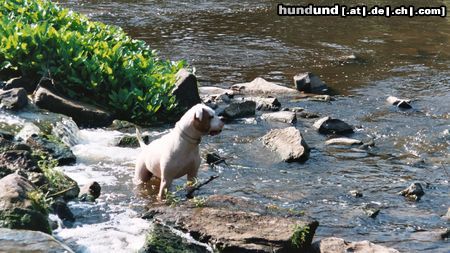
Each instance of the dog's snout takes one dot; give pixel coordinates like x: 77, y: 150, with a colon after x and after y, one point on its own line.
x: 222, y: 118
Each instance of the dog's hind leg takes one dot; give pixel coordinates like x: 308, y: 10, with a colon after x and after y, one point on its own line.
x: 165, y: 184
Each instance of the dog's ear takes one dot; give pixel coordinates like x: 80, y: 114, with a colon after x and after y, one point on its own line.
x: 199, y: 113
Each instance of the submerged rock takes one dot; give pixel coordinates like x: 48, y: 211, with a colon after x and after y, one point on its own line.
x: 413, y: 192
x: 308, y: 115
x: 288, y: 143
x: 343, y: 141
x: 235, y: 229
x: 61, y: 209
x: 309, y: 83
x: 372, y: 210
x: 266, y: 104
x: 186, y: 89
x: 284, y: 117
x: 356, y: 193
x: 20, y: 207
x: 90, y: 192
x: 338, y: 245
x: 83, y: 114
x: 14, y: 99
x: 131, y: 141
x: 239, y: 109
x: 12, y: 240
x: 328, y: 125
x: 259, y: 86
x: 401, y: 103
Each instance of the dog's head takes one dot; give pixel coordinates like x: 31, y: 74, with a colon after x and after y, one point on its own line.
x: 206, y: 121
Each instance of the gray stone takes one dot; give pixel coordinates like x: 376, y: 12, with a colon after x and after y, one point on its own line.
x: 320, y: 98
x: 240, y: 109
x: 400, y: 103
x: 413, y: 192
x: 131, y: 141
x: 328, y: 125
x: 186, y: 89
x: 266, y: 103
x: 259, y: 86
x: 308, y: 115
x: 343, y: 141
x: 21, y: 82
x: 90, y: 192
x: 284, y: 117
x: 372, y: 210
x: 12, y: 240
x: 83, y: 114
x: 338, y: 245
x: 17, y: 161
x: 309, y: 83
x: 52, y: 147
x: 13, y: 99
x: 356, y: 193
x: 288, y: 143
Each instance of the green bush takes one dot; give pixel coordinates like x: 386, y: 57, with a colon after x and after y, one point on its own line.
x: 89, y: 61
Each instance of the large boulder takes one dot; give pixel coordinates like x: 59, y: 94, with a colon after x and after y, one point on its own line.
x: 19, y: 206
x: 239, y: 109
x: 83, y: 114
x: 338, y: 245
x: 186, y: 89
x: 259, y: 86
x: 230, y: 224
x: 21, y: 82
x: 328, y: 125
x: 309, y: 83
x: 288, y: 143
x: 283, y: 117
x: 13, y: 99
x: 12, y: 240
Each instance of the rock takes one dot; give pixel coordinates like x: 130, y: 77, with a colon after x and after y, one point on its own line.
x: 266, y: 104
x: 308, y: 115
x: 228, y: 225
x: 401, y: 103
x: 368, y: 144
x: 18, y: 209
x: 83, y: 114
x: 445, y: 234
x: 309, y: 83
x: 356, y: 193
x: 21, y: 82
x: 12, y: 240
x: 413, y: 192
x: 320, y: 98
x: 288, y: 143
x: 447, y: 215
x: 13, y: 99
x: 296, y: 109
x: 328, y: 125
x: 53, y: 147
x: 343, y: 141
x: 338, y: 245
x: 17, y: 161
x: 372, y: 210
x: 90, y: 192
x: 60, y: 208
x: 122, y: 125
x: 259, y: 86
x: 214, y: 159
x: 186, y: 89
x: 239, y: 109
x: 214, y: 91
x: 284, y: 117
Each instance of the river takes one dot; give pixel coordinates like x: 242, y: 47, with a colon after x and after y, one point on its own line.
x: 363, y: 59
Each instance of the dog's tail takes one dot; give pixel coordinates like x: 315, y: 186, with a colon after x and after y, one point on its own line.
x: 139, y: 137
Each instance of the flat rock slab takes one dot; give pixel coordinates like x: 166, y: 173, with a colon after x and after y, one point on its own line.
x: 12, y: 240
x: 288, y: 143
x: 338, y: 245
x: 328, y: 125
x: 343, y: 141
x: 240, y: 109
x: 284, y: 117
x: 236, y: 229
x: 259, y: 86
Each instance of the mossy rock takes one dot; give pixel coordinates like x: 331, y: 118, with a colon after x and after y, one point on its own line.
x: 130, y: 141
x: 19, y: 218
x: 53, y: 147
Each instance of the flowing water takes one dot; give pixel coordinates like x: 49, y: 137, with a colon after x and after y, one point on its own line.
x: 235, y: 41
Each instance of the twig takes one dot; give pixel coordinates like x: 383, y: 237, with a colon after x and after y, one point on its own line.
x: 190, y: 192
x: 61, y: 192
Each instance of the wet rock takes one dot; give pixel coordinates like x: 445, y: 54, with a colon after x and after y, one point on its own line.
x: 321, y: 98
x: 240, y: 109
x: 14, y: 99
x: 266, y: 104
x: 401, y: 103
x: 413, y: 192
x: 214, y: 159
x: 328, y: 125
x: 309, y: 83
x: 350, y: 59
x: 296, y: 109
x: 259, y: 86
x: 122, y: 125
x: 372, y: 210
x: 17, y: 161
x: 130, y: 141
x: 445, y: 234
x: 186, y: 89
x: 338, y: 245
x: 367, y: 144
x: 288, y: 143
x: 12, y: 240
x: 343, y: 141
x: 7, y: 142
x: 18, y: 209
x: 90, y: 192
x: 56, y: 149
x: 356, y: 193
x: 232, y: 228
x: 21, y: 82
x: 60, y: 208
x: 308, y: 115
x: 447, y: 215
x: 284, y: 117
x: 83, y: 114
x: 214, y: 91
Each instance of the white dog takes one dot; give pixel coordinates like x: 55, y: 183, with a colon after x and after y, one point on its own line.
x: 177, y: 153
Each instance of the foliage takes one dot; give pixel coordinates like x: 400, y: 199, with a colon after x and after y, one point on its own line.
x: 58, y: 182
x: 199, y: 201
x: 88, y: 60
x: 299, y: 236
x: 40, y: 201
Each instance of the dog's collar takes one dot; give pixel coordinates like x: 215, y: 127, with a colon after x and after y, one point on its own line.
x: 188, y: 138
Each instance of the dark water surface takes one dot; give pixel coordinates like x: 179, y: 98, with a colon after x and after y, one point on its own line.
x: 234, y: 41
